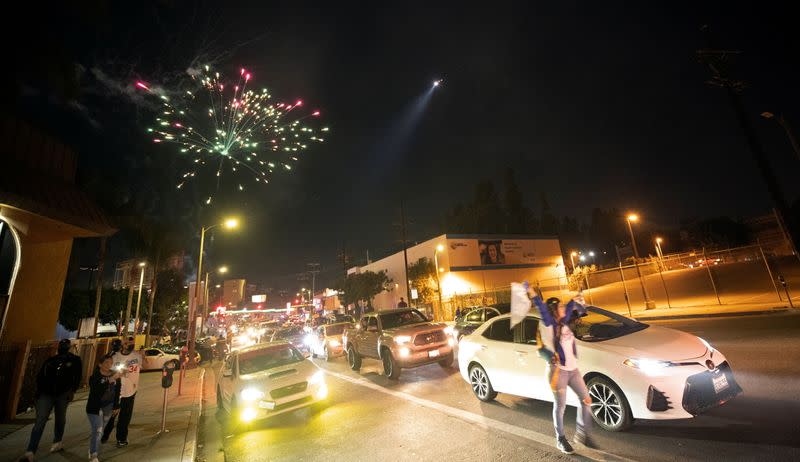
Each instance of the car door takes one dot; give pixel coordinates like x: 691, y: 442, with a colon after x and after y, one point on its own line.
x: 226, y: 378
x: 151, y: 359
x: 499, y: 357
x: 530, y: 367
x: 369, y: 342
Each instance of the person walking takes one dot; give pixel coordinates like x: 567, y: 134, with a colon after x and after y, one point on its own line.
x: 402, y: 303
x: 558, y: 348
x: 103, y: 403
x: 56, y: 384
x: 129, y: 363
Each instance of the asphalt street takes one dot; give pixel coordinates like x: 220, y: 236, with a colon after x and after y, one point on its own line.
x: 430, y: 414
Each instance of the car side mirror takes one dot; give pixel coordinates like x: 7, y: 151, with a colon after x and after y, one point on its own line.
x: 227, y: 373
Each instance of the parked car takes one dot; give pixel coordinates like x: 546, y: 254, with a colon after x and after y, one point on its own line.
x: 401, y: 338
x: 466, y: 324
x: 154, y: 358
x: 326, y: 340
x: 268, y: 379
x: 633, y: 370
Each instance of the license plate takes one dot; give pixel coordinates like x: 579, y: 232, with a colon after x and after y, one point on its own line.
x: 720, y: 383
x: 433, y: 353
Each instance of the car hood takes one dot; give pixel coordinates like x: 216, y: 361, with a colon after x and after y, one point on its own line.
x: 415, y: 328
x: 655, y: 342
x: 301, y: 369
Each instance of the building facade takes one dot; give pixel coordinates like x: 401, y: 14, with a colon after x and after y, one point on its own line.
x: 471, y: 264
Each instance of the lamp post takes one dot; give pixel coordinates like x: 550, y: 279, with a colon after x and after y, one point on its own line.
x: 786, y: 127
x: 572, y: 256
x: 439, y: 248
x: 632, y: 218
x: 230, y: 223
x: 139, y: 297
x: 659, y: 253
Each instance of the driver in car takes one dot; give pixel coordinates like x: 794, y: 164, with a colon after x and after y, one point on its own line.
x: 557, y: 340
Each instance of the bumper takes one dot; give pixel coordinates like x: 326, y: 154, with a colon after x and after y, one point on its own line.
x: 421, y: 356
x: 335, y: 351
x: 265, y: 407
x: 710, y: 389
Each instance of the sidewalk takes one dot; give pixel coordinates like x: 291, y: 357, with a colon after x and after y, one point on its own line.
x: 179, y: 444
x: 706, y: 311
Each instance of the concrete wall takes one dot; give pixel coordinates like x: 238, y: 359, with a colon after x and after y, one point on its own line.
x: 36, y: 299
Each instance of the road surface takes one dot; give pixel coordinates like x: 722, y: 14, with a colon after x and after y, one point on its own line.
x: 430, y: 414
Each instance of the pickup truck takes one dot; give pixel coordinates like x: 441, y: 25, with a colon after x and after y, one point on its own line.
x: 401, y: 338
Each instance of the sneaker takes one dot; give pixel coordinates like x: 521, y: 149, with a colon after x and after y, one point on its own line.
x: 586, y: 440
x: 27, y: 457
x: 563, y: 445
x: 122, y: 444
x: 56, y: 447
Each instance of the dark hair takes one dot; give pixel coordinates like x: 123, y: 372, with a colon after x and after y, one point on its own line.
x: 104, y: 357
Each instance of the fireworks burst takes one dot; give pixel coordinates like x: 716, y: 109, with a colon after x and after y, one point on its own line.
x: 230, y: 128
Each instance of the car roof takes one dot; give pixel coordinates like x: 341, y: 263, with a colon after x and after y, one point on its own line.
x: 262, y: 346
x: 396, y: 310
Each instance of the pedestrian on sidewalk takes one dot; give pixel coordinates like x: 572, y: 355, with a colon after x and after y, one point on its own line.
x: 557, y: 341
x: 402, y: 303
x: 56, y: 384
x: 129, y: 363
x: 105, y: 385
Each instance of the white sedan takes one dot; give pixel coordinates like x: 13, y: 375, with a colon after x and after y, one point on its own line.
x: 633, y: 370
x: 268, y: 379
x: 153, y: 358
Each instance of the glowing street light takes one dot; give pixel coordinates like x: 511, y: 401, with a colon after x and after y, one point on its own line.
x: 572, y: 256
x: 223, y: 269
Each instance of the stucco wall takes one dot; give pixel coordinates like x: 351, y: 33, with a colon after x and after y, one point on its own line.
x: 36, y: 299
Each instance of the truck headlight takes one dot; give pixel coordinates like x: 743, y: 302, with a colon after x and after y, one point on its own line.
x: 251, y: 394
x: 402, y: 339
x: 308, y: 339
x: 318, y: 377
x: 334, y: 343
x: 248, y: 414
x: 404, y: 352
x: 648, y: 366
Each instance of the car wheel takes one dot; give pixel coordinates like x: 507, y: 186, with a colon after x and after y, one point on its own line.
x: 327, y: 354
x: 610, y: 408
x: 481, y: 385
x: 390, y: 369
x: 313, y: 355
x: 447, y: 361
x: 353, y: 359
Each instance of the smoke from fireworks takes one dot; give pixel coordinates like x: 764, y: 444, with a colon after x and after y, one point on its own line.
x: 228, y: 128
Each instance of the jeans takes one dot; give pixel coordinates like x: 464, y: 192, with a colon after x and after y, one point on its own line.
x: 96, y: 423
x: 44, y: 405
x: 559, y: 380
x: 122, y: 420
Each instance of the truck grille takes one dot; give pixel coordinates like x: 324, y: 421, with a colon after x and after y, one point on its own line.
x: 283, y: 392
x: 429, y: 338
x: 699, y: 395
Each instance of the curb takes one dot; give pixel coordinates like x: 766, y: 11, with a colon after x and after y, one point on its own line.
x: 712, y: 315
x: 190, y: 444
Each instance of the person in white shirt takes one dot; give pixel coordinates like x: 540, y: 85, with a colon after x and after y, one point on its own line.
x: 129, y: 363
x: 558, y: 344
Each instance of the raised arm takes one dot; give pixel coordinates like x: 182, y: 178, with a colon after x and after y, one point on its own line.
x: 575, y: 305
x: 547, y: 318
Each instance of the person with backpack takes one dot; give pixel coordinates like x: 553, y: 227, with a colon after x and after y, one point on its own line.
x: 103, y: 402
x: 557, y: 340
x: 129, y: 363
x: 56, y: 384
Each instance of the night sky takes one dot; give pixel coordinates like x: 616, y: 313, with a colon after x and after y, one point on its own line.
x: 601, y: 104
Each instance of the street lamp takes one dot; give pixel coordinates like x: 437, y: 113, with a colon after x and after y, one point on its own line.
x: 439, y: 248
x: 228, y: 223
x: 139, y: 297
x: 633, y: 218
x: 572, y: 256
x: 659, y: 252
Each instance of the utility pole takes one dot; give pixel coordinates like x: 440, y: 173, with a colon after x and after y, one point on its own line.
x: 719, y: 62
x: 405, y: 245
x: 99, y: 284
x: 313, y: 270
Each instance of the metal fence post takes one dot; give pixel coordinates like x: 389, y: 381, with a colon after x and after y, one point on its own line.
x: 708, y: 268
x: 663, y: 283
x: 769, y: 272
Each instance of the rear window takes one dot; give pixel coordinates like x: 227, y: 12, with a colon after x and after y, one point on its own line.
x: 336, y: 329
x: 402, y: 318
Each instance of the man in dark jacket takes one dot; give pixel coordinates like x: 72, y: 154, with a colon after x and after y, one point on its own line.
x: 58, y: 379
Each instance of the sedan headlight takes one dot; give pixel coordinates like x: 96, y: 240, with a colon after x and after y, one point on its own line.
x: 334, y: 343
x: 449, y: 330
x: 308, y: 339
x: 707, y: 345
x: 648, y: 366
x: 317, y: 378
x: 402, y: 339
x: 251, y: 394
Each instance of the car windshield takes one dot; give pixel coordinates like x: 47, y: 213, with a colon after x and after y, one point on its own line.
x: 335, y: 329
x: 262, y: 359
x: 287, y: 333
x: 598, y: 325
x: 403, y: 318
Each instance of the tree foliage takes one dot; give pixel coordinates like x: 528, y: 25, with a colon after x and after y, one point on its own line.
x: 363, y: 286
x: 422, y: 276
x: 79, y: 303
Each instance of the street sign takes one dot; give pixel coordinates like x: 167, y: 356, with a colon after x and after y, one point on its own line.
x: 414, y: 294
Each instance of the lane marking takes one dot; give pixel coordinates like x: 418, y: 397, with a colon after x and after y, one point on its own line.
x: 482, y: 421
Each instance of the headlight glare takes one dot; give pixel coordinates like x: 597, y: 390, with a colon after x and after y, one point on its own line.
x: 402, y: 339
x: 318, y: 377
x: 648, y: 366
x: 251, y: 394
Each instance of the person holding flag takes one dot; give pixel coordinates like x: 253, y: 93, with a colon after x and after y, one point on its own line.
x: 557, y: 341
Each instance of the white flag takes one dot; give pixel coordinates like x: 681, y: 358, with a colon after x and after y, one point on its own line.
x: 520, y: 303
